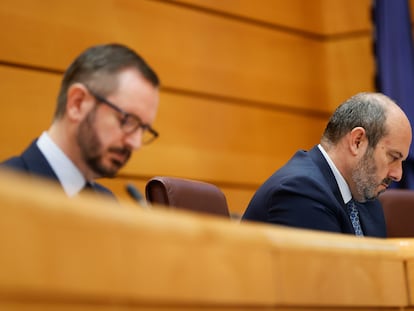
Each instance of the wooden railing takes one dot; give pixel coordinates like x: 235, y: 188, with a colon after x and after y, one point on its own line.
x: 90, y: 254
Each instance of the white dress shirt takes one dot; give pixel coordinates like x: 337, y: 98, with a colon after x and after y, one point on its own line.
x: 343, y: 186
x: 68, y: 174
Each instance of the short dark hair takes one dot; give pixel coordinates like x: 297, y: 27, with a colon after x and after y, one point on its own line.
x: 97, y: 67
x: 366, y: 110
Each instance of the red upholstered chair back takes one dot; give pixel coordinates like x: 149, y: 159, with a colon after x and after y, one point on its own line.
x: 187, y: 194
x: 398, y: 208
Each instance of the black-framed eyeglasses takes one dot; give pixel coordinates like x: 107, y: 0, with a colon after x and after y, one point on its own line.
x: 129, y: 122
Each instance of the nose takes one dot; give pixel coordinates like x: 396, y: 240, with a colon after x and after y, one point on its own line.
x: 396, y: 171
x: 134, y: 140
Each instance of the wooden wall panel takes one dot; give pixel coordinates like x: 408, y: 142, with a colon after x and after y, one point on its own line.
x: 197, y: 138
x: 191, y: 50
x: 411, y: 4
x: 350, y: 67
x: 244, y: 86
x: 228, y: 143
x: 232, y: 145
x: 27, y: 107
x: 320, y: 18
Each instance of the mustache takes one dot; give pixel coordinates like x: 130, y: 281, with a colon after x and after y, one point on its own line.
x: 121, y: 151
x: 387, y: 181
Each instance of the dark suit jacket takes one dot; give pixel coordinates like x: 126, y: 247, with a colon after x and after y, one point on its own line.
x: 304, y: 194
x: 33, y: 162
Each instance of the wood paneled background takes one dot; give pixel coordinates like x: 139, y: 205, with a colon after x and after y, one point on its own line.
x: 244, y: 83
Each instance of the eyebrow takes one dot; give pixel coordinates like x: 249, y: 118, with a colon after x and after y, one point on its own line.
x: 397, y: 153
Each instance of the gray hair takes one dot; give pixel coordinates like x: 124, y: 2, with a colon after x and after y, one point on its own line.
x: 366, y: 110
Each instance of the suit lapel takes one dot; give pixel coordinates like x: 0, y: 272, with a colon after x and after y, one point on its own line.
x: 320, y: 161
x: 37, y: 163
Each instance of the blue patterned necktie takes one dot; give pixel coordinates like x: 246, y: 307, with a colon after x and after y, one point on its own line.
x: 354, y: 216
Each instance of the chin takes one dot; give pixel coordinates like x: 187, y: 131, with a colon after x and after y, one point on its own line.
x: 381, y: 191
x: 109, y: 170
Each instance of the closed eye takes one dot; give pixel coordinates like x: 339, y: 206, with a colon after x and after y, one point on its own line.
x: 395, y: 156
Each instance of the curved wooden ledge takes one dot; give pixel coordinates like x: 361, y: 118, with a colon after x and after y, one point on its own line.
x: 89, y: 252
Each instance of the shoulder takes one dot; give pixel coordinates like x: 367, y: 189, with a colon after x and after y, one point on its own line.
x: 300, y: 184
x: 21, y: 162
x: 14, y: 163
x: 301, y: 174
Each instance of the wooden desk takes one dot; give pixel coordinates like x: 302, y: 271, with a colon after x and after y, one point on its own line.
x: 90, y: 254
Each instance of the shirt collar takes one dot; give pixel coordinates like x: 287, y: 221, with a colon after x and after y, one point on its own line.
x: 340, y: 180
x: 68, y: 174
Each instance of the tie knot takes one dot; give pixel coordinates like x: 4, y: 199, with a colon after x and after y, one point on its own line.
x: 351, y: 206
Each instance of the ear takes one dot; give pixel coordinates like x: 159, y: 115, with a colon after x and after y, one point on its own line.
x: 78, y: 103
x: 357, y: 140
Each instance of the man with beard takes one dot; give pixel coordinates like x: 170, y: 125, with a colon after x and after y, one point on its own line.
x: 106, y: 104
x: 334, y: 186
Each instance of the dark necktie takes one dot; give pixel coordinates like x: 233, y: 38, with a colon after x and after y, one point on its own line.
x: 88, y: 188
x: 354, y: 216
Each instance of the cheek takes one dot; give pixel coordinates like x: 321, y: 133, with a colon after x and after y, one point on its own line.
x: 383, y: 167
x: 108, y: 130
x: 108, y: 134
x: 110, y: 138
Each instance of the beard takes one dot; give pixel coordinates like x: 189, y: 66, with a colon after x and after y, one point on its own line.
x: 92, y: 151
x: 365, y: 178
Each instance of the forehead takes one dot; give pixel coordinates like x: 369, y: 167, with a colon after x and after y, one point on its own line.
x: 136, y: 95
x: 398, y: 138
